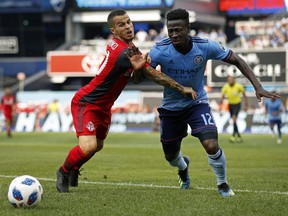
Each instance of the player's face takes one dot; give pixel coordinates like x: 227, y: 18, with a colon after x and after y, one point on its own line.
x: 178, y: 32
x: 123, y: 28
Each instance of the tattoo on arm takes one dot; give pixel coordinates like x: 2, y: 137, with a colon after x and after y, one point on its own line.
x: 162, y: 79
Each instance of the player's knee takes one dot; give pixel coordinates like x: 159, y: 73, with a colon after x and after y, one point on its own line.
x: 171, y: 149
x: 170, y: 157
x: 100, y: 145
x: 211, y: 146
x: 88, y: 145
x: 209, y: 140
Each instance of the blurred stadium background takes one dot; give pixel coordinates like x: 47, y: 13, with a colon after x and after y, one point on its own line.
x: 50, y: 48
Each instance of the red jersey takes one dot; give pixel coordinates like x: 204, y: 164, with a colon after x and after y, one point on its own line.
x: 111, y: 78
x: 7, y: 103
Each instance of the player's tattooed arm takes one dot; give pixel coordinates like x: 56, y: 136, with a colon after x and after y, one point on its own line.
x: 164, y: 80
x: 138, y: 61
x: 249, y: 74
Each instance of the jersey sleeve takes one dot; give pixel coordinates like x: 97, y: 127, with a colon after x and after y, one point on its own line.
x: 217, y: 51
x: 266, y: 104
x: 280, y: 107
x: 154, y: 54
x: 123, y: 61
x: 241, y: 88
x: 224, y: 89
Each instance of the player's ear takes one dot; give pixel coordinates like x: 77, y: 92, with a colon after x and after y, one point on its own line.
x: 112, y: 31
x: 189, y: 27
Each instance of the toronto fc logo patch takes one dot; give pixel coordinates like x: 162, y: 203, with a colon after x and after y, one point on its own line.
x: 90, y: 126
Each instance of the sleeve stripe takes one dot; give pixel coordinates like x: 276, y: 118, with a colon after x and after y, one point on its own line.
x: 228, y: 56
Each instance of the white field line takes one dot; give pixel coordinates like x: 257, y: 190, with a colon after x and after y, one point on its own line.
x: 129, y: 184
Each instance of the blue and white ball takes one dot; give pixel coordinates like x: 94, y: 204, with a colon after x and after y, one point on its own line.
x: 25, y: 191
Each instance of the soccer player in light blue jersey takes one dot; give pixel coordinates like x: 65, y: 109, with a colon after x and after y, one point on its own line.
x: 274, y: 108
x: 184, y: 59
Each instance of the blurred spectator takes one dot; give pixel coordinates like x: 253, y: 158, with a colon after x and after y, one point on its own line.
x: 145, y: 108
x: 222, y: 37
x: 152, y: 34
x: 162, y: 34
x: 54, y: 107
x: 156, y: 126
x: 269, y: 34
x: 203, y: 34
x: 41, y: 112
x: 213, y: 35
x: 141, y: 36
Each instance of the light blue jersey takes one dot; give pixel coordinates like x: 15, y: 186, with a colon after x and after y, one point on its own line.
x: 188, y: 69
x: 273, y: 108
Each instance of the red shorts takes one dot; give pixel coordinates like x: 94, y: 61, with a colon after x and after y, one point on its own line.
x: 8, y: 116
x: 89, y: 119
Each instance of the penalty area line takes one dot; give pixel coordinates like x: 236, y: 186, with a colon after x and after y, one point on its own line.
x: 129, y: 184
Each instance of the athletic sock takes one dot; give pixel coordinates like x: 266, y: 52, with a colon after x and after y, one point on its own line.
x: 81, y: 162
x: 179, y: 162
x: 218, y: 163
x: 279, y: 132
x: 235, y: 129
x: 9, y: 132
x: 74, y: 159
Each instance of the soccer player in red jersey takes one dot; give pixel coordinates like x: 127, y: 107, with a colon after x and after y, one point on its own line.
x: 8, y: 105
x: 91, y: 105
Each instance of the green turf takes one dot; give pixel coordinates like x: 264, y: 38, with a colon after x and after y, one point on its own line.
x: 131, y: 177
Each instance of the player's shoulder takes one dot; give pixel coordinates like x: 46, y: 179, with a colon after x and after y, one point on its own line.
x: 226, y: 85
x: 200, y: 40
x: 115, y: 45
x: 160, y: 47
x: 239, y: 85
x: 163, y: 42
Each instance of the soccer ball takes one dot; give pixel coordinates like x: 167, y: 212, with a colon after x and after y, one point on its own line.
x: 25, y: 191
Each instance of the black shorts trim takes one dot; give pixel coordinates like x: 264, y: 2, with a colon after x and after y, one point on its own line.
x: 205, y: 135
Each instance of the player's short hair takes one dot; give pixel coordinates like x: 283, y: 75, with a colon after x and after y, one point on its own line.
x: 178, y: 14
x: 114, y: 13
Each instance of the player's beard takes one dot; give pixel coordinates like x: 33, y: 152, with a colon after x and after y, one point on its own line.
x: 130, y: 34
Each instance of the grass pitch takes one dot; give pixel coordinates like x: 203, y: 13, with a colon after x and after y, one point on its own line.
x: 131, y: 177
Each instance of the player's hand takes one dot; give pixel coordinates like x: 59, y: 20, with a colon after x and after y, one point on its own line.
x: 190, y: 91
x: 260, y: 92
x: 136, y: 58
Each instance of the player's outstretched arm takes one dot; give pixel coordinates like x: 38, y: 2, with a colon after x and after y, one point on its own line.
x: 164, y: 80
x: 136, y: 58
x: 138, y: 62
x: 248, y: 72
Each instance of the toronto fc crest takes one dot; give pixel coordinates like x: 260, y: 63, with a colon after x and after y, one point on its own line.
x: 90, y: 126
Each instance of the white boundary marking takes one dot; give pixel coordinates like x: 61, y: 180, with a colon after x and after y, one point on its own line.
x: 129, y: 184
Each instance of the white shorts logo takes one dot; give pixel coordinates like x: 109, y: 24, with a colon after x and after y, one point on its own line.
x: 90, y: 126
